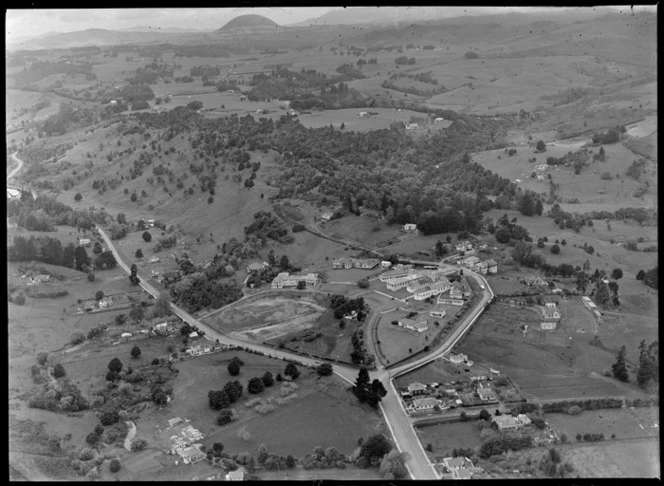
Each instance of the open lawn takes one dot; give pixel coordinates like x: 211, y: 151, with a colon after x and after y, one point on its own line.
x: 625, y: 458
x: 299, y: 474
x: 323, y: 412
x: 441, y: 371
x: 445, y: 437
x: 397, y: 343
x: 624, y: 423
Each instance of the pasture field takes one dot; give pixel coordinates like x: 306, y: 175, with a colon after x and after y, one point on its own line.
x: 564, y: 363
x: 625, y: 458
x: 350, y: 473
x: 324, y: 412
x: 361, y: 229
x: 353, y: 122
x: 636, y: 423
x: 445, y: 437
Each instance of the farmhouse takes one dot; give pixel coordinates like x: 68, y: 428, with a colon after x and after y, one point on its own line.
x: 412, y: 126
x: 487, y: 267
x: 326, y: 216
x: 191, y: 455
x: 161, y: 328
x: 125, y: 335
x: 550, y: 312
x: 154, y: 259
x: 13, y: 193
x: 439, y: 120
x: 534, y: 280
x: 400, y: 283
x: 255, y: 267
x: 284, y: 279
x: 366, y: 263
x: 523, y: 419
x: 237, y: 475
x: 444, y: 300
x: 425, y: 404
x: 549, y: 326
x: 417, y: 388
x: 486, y: 393
x: 458, y: 358
x: 415, y: 326
x: 433, y: 289
x: 438, y: 312
x: 464, y: 246
x: 363, y: 114
x: 346, y: 263
x: 494, y: 372
x: 385, y: 264
x: 461, y: 467
x: 84, y: 241
x: 588, y: 302
x: 409, y: 227
x: 37, y: 279
x: 469, y: 261
x: 506, y: 422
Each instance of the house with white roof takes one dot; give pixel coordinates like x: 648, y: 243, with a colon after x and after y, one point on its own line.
x: 433, y: 289
x: 409, y: 227
x: 400, y: 283
x: 438, y: 312
x: 417, y: 388
x: 414, y: 326
x: 425, y: 404
x: 284, y: 279
x: 487, y: 266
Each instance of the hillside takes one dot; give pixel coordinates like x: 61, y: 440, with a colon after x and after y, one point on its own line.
x: 251, y: 21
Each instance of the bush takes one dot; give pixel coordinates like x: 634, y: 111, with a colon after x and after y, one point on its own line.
x: 109, y: 418
x: 575, y: 410
x: 86, y: 454
x: 59, y: 371
x: 135, y: 352
x: 363, y: 283
x: 471, y: 55
x: 255, y: 385
x: 77, y: 337
x: 114, y: 466
x: 91, y: 277
x: 139, y: 445
x: 325, y: 369
x: 225, y: 417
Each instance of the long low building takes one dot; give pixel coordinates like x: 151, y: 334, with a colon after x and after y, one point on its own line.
x: 284, y: 279
x: 347, y: 263
x: 400, y: 283
x: 433, y: 289
x: 415, y: 326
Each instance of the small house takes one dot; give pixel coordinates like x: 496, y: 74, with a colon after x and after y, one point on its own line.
x: 84, y: 241
x: 191, y: 455
x: 385, y: 264
x: 506, y: 422
x: 417, y: 388
x: 412, y: 126
x: 237, y: 475
x: 154, y: 259
x: 193, y: 335
x: 255, y: 267
x: 550, y: 312
x: 410, y: 227
x: 414, y: 326
x: 243, y: 98
x: 425, y: 404
x: 486, y: 394
x: 438, y: 312
x: 458, y: 358
x: 125, y: 335
x: 494, y: 372
x: 326, y: 216
x: 523, y: 419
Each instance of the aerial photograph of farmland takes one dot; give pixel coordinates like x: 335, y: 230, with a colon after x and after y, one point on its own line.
x: 332, y: 243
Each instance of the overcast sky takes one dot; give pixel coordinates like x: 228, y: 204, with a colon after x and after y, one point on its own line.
x: 29, y: 23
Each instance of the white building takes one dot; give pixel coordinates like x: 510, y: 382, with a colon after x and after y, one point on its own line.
x: 415, y: 326
x: 284, y: 279
x: 385, y: 264
x: 433, y: 289
x: 326, y: 216
x: 409, y: 227
x: 438, y: 312
x: 84, y: 241
x: 400, y: 283
x: 424, y: 404
x: 458, y: 358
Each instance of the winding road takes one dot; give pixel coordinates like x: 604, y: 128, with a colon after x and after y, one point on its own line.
x: 399, y: 423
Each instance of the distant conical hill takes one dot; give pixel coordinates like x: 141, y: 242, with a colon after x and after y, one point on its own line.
x: 248, y: 22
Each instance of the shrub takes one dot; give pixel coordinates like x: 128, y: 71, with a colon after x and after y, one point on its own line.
x: 225, y: 416
x: 86, y: 454
x: 135, y: 352
x: 575, y: 410
x: 77, y: 337
x: 59, y: 371
x: 114, y: 466
x: 109, y: 418
x: 255, y: 385
x: 325, y: 369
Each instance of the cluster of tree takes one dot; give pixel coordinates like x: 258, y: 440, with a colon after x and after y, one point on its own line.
x: 324, y: 459
x: 268, y: 226
x: 283, y: 83
x: 427, y: 93
x: 207, y: 70
x: 551, y: 464
x: 611, y: 136
x: 105, y: 261
x: 201, y: 50
x: 42, y: 213
x: 505, y: 230
x: 503, y: 443
x: 337, y: 97
x: 367, y: 391
x: 589, y: 437
x: 196, y: 292
x: 39, y: 70
x: 372, y: 450
x: 343, y: 305
x: 648, y: 370
x: 129, y: 93
x: 649, y: 278
x: 471, y: 55
x: 590, y: 404
x: 62, y: 397
x: 68, y: 117
x: 152, y: 74
x: 405, y: 60
x: 349, y: 72
x: 226, y: 85
x: 264, y: 276
x: 222, y: 399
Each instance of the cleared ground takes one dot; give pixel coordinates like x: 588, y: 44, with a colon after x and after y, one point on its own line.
x: 633, y: 458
